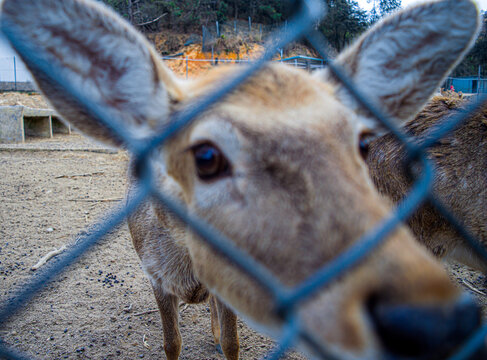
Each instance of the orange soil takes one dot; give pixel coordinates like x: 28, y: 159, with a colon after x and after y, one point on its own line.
x: 196, y: 68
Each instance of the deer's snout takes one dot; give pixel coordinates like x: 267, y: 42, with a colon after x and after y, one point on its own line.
x: 425, y: 332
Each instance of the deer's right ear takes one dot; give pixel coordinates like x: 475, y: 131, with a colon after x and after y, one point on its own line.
x: 97, y: 53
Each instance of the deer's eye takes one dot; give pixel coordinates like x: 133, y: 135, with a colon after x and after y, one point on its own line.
x: 210, y: 162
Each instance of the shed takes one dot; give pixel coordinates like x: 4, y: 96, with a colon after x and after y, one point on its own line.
x: 20, y: 122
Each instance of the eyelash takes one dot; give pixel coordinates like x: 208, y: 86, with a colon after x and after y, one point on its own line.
x: 365, y: 140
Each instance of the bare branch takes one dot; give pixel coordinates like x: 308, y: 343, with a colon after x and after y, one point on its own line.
x: 152, y: 21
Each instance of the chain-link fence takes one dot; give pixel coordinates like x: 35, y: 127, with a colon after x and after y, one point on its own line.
x: 286, y: 300
x: 189, y: 67
x: 14, y: 76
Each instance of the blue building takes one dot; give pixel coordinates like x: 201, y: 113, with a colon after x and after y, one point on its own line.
x: 467, y: 85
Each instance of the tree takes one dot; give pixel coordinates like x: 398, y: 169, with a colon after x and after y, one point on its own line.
x: 477, y: 55
x: 138, y: 11
x: 344, y: 21
x: 381, y: 8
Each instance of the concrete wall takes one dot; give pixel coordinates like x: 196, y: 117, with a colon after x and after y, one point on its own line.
x: 11, y: 124
x: 19, y: 86
x: 19, y: 122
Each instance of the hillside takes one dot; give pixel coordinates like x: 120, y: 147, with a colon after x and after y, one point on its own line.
x: 228, y: 48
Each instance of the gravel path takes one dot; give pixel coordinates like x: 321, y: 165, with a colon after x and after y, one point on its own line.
x: 73, y: 142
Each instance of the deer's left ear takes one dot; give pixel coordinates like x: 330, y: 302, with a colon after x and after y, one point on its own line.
x: 399, y: 63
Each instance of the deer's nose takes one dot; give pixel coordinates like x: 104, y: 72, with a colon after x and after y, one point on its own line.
x: 428, y: 331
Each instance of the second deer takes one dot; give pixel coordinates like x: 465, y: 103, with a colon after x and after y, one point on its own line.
x: 460, y: 180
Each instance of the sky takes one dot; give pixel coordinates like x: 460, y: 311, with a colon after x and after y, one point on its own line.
x: 364, y: 5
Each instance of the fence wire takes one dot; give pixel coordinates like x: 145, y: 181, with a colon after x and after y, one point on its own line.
x: 286, y: 299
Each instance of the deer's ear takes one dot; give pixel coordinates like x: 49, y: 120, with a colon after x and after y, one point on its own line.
x: 98, y: 54
x: 399, y: 63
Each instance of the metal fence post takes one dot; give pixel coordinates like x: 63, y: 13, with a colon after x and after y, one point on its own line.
x: 204, y: 38
x: 478, y: 84
x: 15, y: 75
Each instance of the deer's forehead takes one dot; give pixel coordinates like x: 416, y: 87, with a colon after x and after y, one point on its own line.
x: 278, y: 99
x: 278, y: 111
x: 273, y: 140
x: 275, y: 86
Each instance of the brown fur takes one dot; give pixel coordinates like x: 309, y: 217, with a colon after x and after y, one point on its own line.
x: 297, y: 193
x: 158, y: 238
x: 291, y: 168
x: 460, y: 160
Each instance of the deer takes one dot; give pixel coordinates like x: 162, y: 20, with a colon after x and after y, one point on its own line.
x: 460, y: 160
x: 275, y: 167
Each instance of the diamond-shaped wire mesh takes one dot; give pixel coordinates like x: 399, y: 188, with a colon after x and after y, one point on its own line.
x: 286, y: 300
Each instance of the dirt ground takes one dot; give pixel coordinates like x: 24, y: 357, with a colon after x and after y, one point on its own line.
x: 32, y: 100
x: 92, y: 310
x: 51, y: 191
